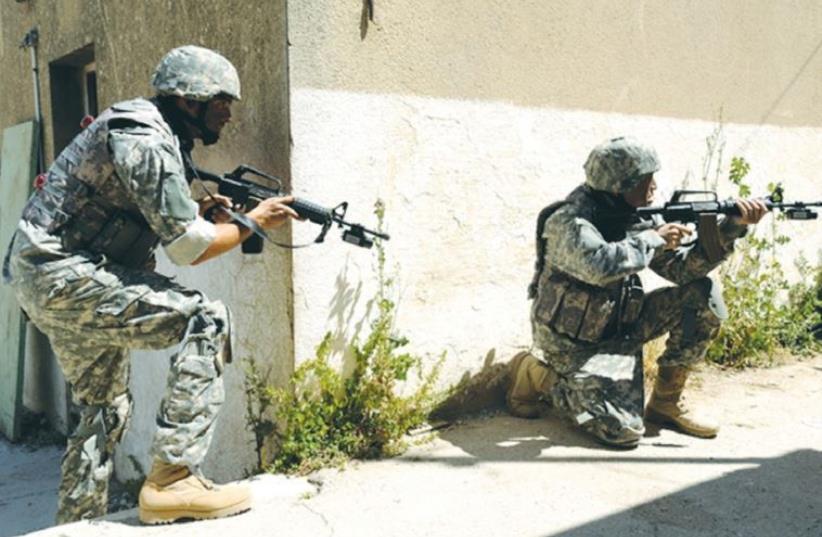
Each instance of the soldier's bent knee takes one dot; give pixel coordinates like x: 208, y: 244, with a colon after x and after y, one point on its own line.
x: 708, y: 295
x: 116, y: 418
x: 209, y: 332
x: 619, y: 436
x: 616, y: 429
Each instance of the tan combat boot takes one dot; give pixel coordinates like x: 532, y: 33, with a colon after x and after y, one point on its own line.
x: 531, y: 382
x: 666, y: 408
x: 172, y: 492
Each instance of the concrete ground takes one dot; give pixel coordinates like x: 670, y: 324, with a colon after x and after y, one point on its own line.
x: 501, y: 476
x: 28, y: 487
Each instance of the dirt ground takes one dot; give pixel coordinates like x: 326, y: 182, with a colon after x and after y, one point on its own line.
x: 502, y: 476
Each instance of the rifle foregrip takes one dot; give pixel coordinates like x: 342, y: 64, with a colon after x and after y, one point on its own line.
x: 311, y: 211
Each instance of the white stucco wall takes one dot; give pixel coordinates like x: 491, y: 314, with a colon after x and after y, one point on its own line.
x: 463, y: 182
x: 464, y: 162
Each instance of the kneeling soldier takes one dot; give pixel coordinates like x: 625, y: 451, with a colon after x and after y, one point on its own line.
x: 590, y: 316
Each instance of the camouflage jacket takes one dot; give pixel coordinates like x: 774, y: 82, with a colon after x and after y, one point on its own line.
x: 116, y: 191
x: 581, y: 294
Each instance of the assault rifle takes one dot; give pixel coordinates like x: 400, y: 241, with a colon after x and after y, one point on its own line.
x: 703, y: 210
x: 246, y: 194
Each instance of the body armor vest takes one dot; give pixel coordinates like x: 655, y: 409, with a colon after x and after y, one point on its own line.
x: 85, y: 204
x: 575, y: 308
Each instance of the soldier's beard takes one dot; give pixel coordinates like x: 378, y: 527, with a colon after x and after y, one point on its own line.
x: 208, y: 136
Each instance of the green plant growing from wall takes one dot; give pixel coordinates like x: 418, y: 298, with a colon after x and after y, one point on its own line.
x: 323, y: 418
x: 767, y: 313
x: 258, y: 411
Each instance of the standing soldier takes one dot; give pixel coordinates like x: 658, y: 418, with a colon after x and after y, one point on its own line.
x: 590, y: 316
x: 81, y: 263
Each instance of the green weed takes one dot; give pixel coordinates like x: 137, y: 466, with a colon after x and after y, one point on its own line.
x: 323, y: 418
x: 768, y: 315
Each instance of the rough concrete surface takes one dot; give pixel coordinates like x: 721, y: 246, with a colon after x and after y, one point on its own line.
x: 28, y: 487
x: 500, y: 476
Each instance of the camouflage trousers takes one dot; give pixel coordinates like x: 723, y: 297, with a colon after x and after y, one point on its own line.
x: 602, y: 390
x: 93, y: 313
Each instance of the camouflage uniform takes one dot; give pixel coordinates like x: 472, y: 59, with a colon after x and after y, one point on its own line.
x: 81, y: 264
x: 590, y: 317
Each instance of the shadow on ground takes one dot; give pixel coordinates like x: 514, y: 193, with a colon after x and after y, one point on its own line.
x: 519, y: 440
x: 780, y: 497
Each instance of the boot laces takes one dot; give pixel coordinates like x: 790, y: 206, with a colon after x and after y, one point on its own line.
x: 207, y: 483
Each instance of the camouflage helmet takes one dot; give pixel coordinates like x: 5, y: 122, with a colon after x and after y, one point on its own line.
x: 617, y: 165
x: 196, y: 73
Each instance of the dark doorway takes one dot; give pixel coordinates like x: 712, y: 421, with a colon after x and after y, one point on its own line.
x: 73, y: 94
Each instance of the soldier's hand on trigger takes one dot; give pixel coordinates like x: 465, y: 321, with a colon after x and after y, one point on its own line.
x: 673, y: 234
x: 751, y: 211
x: 273, y: 212
x: 209, y: 208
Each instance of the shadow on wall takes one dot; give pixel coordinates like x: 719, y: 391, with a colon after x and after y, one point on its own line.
x: 342, y: 308
x: 483, y: 391
x: 475, y: 393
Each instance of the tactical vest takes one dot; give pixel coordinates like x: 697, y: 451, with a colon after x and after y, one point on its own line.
x: 85, y: 204
x: 574, y: 308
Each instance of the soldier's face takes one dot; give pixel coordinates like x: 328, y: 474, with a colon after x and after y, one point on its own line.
x: 642, y: 194
x: 217, y: 114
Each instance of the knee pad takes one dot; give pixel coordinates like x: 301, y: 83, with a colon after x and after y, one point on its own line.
x: 711, y: 297
x: 221, y: 319
x: 209, y: 332
x: 116, y: 418
x: 615, y: 434
x: 106, y: 422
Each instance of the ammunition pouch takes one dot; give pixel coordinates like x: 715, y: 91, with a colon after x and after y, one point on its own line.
x: 585, y: 312
x: 122, y: 236
x: 575, y: 309
x: 631, y: 300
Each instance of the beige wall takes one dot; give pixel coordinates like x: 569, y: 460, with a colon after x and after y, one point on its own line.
x: 127, y: 52
x: 129, y: 40
x: 758, y: 60
x: 467, y: 117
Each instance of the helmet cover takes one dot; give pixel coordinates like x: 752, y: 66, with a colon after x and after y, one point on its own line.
x: 196, y: 73
x: 618, y: 164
